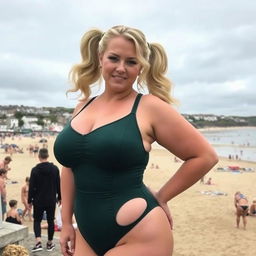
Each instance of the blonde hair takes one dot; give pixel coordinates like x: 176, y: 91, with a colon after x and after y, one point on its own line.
x: 152, y: 58
x: 15, y: 250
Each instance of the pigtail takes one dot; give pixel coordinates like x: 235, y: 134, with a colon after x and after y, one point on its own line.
x: 158, y: 84
x: 86, y: 73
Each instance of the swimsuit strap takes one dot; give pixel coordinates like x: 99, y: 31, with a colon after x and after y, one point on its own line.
x: 84, y: 106
x: 136, y: 103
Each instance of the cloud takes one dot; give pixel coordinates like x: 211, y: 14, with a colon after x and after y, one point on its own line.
x: 210, y: 46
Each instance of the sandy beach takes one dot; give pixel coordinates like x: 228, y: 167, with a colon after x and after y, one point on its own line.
x: 204, y: 215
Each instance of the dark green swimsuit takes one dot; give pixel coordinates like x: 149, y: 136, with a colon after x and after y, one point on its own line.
x: 108, y: 165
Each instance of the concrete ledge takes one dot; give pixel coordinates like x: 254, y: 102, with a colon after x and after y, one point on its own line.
x: 12, y: 234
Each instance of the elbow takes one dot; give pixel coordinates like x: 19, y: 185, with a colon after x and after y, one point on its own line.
x: 212, y: 158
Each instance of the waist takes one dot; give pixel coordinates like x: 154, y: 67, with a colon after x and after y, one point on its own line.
x: 110, y: 192
x: 95, y: 180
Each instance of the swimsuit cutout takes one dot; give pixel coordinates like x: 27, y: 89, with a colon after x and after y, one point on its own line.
x: 108, y: 165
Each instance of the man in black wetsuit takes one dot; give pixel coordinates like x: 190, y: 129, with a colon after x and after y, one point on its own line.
x: 44, y: 192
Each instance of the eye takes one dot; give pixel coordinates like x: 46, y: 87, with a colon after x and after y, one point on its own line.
x: 113, y: 58
x: 132, y: 62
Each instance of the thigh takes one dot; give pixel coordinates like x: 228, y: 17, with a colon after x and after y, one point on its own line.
x: 138, y: 250
x: 152, y: 236
x: 38, y: 212
x: 50, y: 212
x: 82, y: 248
x: 26, y: 205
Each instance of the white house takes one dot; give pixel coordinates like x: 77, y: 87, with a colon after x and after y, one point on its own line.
x: 29, y: 122
x: 3, y: 126
x: 12, y: 123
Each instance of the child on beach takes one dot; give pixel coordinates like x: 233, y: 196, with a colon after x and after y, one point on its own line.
x: 24, y: 200
x: 209, y: 182
x: 253, y: 208
x: 13, y: 215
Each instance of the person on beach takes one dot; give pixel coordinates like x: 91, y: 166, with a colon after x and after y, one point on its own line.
x: 12, y: 215
x: 35, y: 150
x: 43, y: 193
x: 24, y: 200
x: 58, y: 221
x: 4, y: 164
x: 242, y: 208
x: 253, y: 208
x: 209, y: 181
x: 105, y: 149
x: 3, y: 176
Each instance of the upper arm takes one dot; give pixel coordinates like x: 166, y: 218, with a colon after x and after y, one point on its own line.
x: 66, y: 172
x: 1, y: 185
x: 17, y: 216
x: 67, y: 179
x: 175, y: 133
x: 67, y: 192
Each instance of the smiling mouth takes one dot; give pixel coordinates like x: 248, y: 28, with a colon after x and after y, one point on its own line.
x: 120, y: 77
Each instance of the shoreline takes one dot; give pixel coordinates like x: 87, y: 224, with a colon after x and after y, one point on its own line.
x: 156, y: 146
x: 216, y: 128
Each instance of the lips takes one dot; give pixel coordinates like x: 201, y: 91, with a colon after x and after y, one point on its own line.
x: 119, y: 77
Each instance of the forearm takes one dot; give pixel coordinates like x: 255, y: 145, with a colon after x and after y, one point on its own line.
x: 188, y: 174
x: 67, y: 191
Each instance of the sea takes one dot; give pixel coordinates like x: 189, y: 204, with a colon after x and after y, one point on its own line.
x: 234, y: 143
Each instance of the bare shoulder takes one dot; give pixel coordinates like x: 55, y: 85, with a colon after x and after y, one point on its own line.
x: 79, y: 106
x: 152, y: 102
x: 157, y: 107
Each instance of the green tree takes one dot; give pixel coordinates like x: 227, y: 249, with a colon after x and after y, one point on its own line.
x: 53, y: 118
x: 40, y: 122
x: 18, y: 115
x: 20, y: 122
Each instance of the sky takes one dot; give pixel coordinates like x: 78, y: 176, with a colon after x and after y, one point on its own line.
x: 211, y: 49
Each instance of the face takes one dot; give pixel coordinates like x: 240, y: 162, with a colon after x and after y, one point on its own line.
x: 120, y: 66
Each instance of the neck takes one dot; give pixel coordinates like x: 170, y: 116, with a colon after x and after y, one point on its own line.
x: 43, y: 160
x: 117, y: 95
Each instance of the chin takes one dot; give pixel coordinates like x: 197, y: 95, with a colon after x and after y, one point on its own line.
x: 119, y: 87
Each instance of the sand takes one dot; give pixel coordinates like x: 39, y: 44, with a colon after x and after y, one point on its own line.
x: 204, y: 225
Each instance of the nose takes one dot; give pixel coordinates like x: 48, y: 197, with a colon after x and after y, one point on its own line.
x: 120, y: 67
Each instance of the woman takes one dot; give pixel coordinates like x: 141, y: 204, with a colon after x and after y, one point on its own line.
x: 105, y: 149
x: 242, y: 208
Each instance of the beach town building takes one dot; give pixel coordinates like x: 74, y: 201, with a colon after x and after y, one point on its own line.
x: 30, y: 122
x: 12, y: 123
x: 211, y: 118
x: 3, y: 126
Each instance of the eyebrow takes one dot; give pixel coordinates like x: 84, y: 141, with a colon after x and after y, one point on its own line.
x: 130, y: 58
